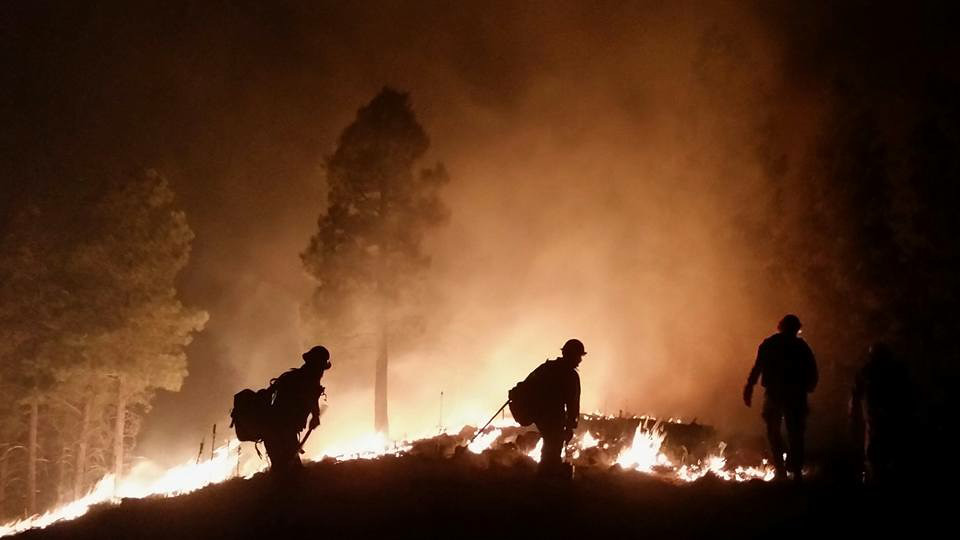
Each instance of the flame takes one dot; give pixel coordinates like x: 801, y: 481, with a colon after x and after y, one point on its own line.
x: 369, y: 446
x: 145, y: 479
x: 644, y: 453
x: 139, y: 483
x: 587, y: 441
x: 185, y: 478
x: 101, y: 492
x: 484, y: 441
x: 537, y: 450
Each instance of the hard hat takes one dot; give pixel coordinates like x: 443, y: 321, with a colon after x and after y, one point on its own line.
x: 318, y: 354
x: 573, y: 347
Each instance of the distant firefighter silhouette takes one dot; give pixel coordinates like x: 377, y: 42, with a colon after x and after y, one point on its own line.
x: 277, y: 414
x: 787, y: 370
x: 550, y: 398
x: 881, y: 404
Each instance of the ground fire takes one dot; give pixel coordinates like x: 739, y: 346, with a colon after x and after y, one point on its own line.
x: 670, y: 450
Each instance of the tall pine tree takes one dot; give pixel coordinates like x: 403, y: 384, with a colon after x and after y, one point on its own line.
x: 367, y: 257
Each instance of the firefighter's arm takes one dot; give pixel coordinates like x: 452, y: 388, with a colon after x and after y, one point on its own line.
x: 573, y: 404
x: 315, y: 413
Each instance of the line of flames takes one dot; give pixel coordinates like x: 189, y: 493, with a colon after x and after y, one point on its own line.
x: 644, y: 454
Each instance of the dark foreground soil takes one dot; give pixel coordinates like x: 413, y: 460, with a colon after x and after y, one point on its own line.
x: 405, y: 497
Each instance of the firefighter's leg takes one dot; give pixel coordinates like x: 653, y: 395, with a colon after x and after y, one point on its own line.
x: 294, y: 442
x: 878, y: 456
x: 796, y: 420
x: 273, y: 447
x: 550, y: 454
x: 870, y: 453
x: 282, y: 450
x: 773, y: 418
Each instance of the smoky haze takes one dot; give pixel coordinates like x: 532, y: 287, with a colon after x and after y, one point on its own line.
x: 605, y: 161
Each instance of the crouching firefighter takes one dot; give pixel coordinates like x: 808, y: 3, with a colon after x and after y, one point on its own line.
x: 278, y: 414
x: 550, y: 398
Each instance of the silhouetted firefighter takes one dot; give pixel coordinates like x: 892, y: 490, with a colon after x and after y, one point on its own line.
x: 550, y: 398
x: 881, y: 404
x: 788, y: 372
x: 277, y: 414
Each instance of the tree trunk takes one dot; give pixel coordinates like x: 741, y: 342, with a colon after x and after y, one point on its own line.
x: 32, y: 451
x: 118, y: 435
x: 62, y: 474
x: 4, y: 471
x: 81, y: 463
x: 381, y: 422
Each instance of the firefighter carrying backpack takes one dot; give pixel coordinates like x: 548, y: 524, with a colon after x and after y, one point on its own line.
x: 255, y: 412
x: 279, y: 406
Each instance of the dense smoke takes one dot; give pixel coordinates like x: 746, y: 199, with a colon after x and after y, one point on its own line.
x: 612, y: 171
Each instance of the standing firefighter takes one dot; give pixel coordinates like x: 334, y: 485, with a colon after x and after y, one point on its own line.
x: 550, y: 398
x: 788, y: 372
x: 294, y: 396
x: 880, y: 406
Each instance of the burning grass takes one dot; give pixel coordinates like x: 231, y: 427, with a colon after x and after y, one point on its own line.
x: 480, y: 495
x: 672, y: 451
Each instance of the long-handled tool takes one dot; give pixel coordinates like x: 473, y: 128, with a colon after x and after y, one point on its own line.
x: 492, y: 418
x: 304, y: 439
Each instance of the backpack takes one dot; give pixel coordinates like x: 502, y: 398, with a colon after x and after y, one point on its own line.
x: 250, y: 415
x: 522, y: 403
x: 530, y: 398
